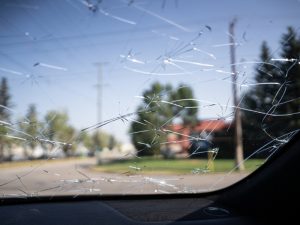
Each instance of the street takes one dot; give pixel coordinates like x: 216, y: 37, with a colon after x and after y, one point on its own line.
x: 75, y: 177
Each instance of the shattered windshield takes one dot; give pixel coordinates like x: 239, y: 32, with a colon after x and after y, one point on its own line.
x: 141, y: 97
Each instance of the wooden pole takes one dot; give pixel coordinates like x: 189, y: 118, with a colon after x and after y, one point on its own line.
x: 238, y: 136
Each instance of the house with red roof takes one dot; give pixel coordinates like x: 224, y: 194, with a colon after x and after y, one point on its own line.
x: 211, y: 132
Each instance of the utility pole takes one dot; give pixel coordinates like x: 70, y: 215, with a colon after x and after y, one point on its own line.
x: 99, y: 87
x: 238, y: 135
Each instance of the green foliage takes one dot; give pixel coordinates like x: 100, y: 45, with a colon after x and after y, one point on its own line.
x: 101, y: 140
x: 32, y: 127
x: 281, y: 98
x: 188, y: 115
x: 4, y: 100
x: 112, y: 142
x: 4, y: 114
x: 161, y: 106
x: 57, y: 128
x: 86, y: 140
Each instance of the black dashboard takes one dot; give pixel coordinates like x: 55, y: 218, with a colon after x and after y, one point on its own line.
x: 155, y: 211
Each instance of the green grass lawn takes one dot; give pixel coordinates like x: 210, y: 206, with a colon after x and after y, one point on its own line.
x: 174, y: 166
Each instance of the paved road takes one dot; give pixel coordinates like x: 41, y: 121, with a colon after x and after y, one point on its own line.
x: 74, y: 177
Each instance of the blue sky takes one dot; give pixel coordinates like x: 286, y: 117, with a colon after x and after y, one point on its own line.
x: 67, y: 39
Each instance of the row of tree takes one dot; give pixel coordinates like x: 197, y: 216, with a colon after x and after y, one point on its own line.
x: 53, y: 129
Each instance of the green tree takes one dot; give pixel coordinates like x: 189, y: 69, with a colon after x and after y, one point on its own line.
x: 33, y: 126
x: 86, y: 140
x: 290, y: 43
x: 100, y: 140
x: 112, y: 142
x: 160, y: 107
x: 4, y: 100
x: 189, y: 114
x: 279, y: 97
x: 58, y: 129
x: 4, y: 115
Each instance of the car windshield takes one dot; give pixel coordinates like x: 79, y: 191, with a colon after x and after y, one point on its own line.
x: 103, y: 97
